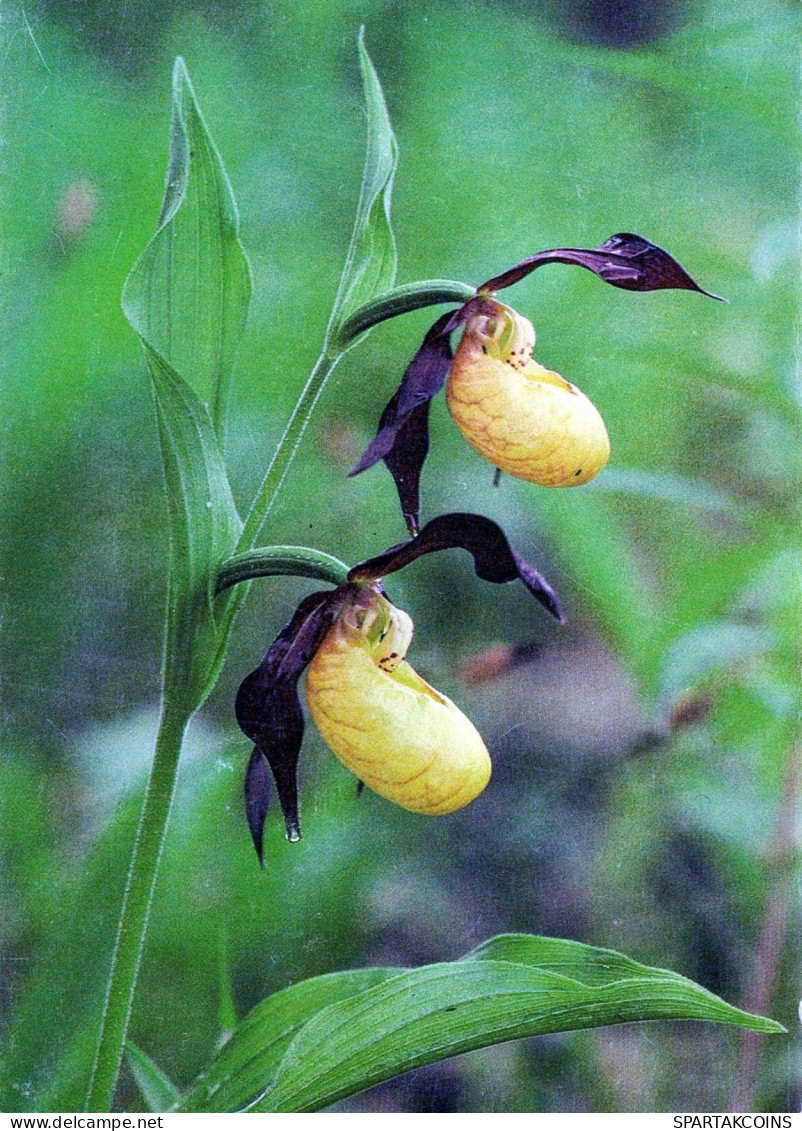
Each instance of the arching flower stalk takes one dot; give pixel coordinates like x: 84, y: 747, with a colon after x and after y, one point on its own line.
x: 525, y: 419
x: 400, y: 736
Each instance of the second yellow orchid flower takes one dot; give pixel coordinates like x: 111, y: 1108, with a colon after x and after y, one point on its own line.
x: 525, y: 419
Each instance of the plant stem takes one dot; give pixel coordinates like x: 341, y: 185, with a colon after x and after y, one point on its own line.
x: 271, y: 561
x: 401, y: 300
x: 161, y: 785
x: 136, y: 908
x: 285, y: 452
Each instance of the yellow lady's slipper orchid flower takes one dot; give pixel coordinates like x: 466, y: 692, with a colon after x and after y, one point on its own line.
x: 396, y: 733
x: 524, y: 418
x: 402, y: 738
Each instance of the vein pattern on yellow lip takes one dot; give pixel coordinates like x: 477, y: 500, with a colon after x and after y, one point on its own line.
x: 525, y: 419
x: 399, y: 735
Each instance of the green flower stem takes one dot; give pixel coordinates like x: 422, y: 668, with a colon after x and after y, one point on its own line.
x: 285, y: 452
x: 158, y: 799
x: 136, y: 908
x: 268, y: 561
x: 401, y: 300
x: 246, y: 563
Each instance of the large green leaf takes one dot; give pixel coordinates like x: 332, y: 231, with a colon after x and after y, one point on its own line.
x: 306, y: 1047
x: 204, y: 527
x: 371, y: 262
x: 188, y: 293
x: 187, y: 298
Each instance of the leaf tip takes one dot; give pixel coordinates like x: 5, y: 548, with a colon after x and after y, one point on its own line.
x: 180, y: 74
x: 365, y: 61
x: 771, y: 1026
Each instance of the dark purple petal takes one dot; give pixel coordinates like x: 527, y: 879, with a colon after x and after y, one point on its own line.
x: 405, y: 462
x: 403, y: 437
x: 493, y: 557
x: 268, y: 710
x: 272, y: 718
x: 424, y: 378
x: 286, y: 658
x: 538, y: 586
x: 625, y: 260
x: 257, y: 798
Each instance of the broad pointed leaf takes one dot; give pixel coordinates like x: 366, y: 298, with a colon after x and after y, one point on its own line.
x: 371, y: 262
x: 438, y: 1011
x: 188, y: 293
x: 187, y: 297
x: 203, y: 527
x: 306, y: 1047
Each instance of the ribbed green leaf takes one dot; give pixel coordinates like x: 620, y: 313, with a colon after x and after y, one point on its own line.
x: 371, y: 262
x: 187, y: 298
x: 321, y: 1040
x: 188, y: 293
x: 438, y: 1011
x: 204, y: 527
x: 158, y: 1091
x: 248, y: 1063
x: 591, y: 965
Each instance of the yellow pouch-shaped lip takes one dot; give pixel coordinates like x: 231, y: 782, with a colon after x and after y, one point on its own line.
x: 399, y: 735
x: 525, y: 419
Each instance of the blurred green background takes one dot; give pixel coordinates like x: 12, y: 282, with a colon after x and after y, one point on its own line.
x: 644, y: 790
